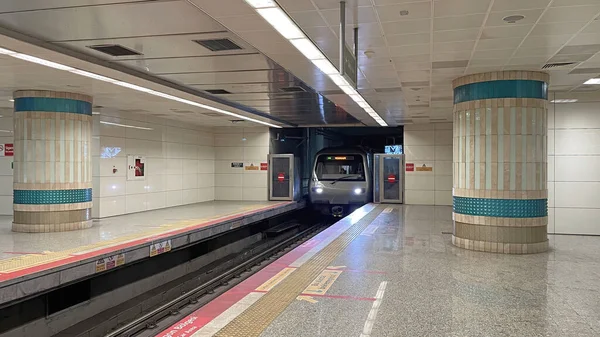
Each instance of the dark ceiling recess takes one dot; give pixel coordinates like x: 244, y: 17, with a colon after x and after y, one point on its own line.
x: 218, y: 91
x: 218, y: 44
x: 292, y: 89
x: 557, y: 64
x: 114, y: 50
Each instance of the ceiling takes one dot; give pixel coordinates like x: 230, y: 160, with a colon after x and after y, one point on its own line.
x: 163, y: 34
x: 409, y: 52
x: 416, y: 48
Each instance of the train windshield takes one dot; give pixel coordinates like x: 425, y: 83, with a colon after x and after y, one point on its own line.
x: 340, y: 167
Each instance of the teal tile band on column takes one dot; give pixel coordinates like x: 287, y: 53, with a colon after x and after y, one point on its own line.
x: 51, y: 197
x: 502, y: 208
x: 50, y: 104
x: 501, y: 89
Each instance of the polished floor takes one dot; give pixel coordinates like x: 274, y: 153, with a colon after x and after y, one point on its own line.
x: 391, y: 271
x: 18, y: 244
x: 435, y: 289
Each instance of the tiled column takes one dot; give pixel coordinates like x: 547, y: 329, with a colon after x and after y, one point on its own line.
x: 52, y: 163
x: 500, y: 158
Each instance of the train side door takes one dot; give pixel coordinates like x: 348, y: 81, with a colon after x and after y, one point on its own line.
x: 388, y: 178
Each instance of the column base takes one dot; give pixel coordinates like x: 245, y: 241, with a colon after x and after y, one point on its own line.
x: 47, y: 228
x: 500, y: 247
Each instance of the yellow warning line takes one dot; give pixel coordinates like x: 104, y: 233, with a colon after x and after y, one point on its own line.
x: 254, y: 320
x: 31, y: 260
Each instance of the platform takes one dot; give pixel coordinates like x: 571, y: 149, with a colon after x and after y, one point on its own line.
x: 31, y: 263
x: 392, y: 271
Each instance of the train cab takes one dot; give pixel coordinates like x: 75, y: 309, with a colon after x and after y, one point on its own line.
x: 341, y: 180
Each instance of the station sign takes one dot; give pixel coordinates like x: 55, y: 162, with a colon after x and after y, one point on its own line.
x: 237, y: 165
x: 410, y: 167
x: 264, y: 166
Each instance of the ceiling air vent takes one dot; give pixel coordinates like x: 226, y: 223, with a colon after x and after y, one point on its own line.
x: 218, y: 44
x: 387, y: 90
x: 114, y: 50
x: 557, y: 64
x: 292, y: 89
x: 212, y: 114
x: 218, y: 91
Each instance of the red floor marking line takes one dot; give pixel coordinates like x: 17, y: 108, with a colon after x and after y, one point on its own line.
x: 76, y: 258
x: 359, y: 271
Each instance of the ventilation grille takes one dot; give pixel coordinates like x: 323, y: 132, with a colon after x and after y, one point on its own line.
x: 218, y: 91
x: 114, y: 50
x: 292, y: 89
x: 386, y: 90
x: 218, y: 44
x: 212, y: 114
x: 557, y: 64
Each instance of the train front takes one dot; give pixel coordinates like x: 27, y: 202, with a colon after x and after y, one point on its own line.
x: 341, y: 182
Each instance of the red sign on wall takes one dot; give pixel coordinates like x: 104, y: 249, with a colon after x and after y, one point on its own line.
x: 7, y: 150
x: 391, y: 178
x: 264, y: 166
x: 410, y: 167
x: 280, y: 177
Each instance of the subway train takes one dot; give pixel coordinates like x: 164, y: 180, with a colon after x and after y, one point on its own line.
x: 341, y: 180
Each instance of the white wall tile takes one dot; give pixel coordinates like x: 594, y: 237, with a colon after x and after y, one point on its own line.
x: 419, y: 152
x: 174, y: 182
x: 190, y: 181
x: 443, y: 198
x: 443, y: 183
x: 112, y: 186
x: 419, y: 182
x: 443, y: 153
x: 228, y: 193
x: 228, y: 180
x: 550, y: 168
x: 255, y: 194
x: 419, y: 138
x: 156, y: 200
x: 419, y: 197
x: 577, y: 168
x: 577, y: 194
x: 174, y: 198
x: 189, y: 196
x: 443, y: 137
x: 228, y: 153
x: 112, y: 206
x: 577, y: 220
x: 429, y: 144
x: 135, y: 203
x: 577, y: 142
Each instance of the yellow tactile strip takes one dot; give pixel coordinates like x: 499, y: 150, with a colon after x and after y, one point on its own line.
x: 31, y: 260
x: 254, y: 320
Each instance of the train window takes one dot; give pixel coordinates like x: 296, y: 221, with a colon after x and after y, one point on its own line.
x: 330, y: 168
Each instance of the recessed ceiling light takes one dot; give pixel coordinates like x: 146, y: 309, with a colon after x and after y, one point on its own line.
x: 593, y: 81
x: 513, y: 18
x: 403, y: 13
x: 564, y: 100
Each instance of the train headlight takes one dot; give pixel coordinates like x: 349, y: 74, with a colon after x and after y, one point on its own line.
x: 358, y: 191
x: 319, y: 190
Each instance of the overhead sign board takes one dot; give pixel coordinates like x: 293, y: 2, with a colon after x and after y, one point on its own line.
x: 349, y: 66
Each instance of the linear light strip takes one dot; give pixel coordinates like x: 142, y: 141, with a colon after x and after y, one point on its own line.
x: 282, y: 23
x: 80, y: 72
x: 125, y: 126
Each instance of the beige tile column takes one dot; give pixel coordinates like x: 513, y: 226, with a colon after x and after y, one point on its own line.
x: 500, y: 162
x: 52, y: 163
